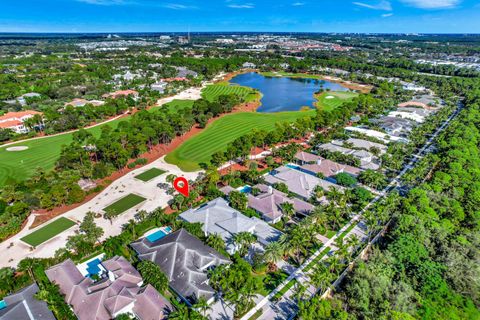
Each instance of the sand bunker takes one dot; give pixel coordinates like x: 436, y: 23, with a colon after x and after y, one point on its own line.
x: 18, y: 148
x: 329, y: 97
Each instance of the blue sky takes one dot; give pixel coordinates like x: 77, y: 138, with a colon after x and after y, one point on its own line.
x: 422, y: 16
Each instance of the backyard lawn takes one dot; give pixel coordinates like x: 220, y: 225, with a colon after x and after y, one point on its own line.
x: 47, y: 232
x: 125, y: 203
x: 150, y: 174
x: 213, y: 91
x: 221, y: 132
x: 333, y: 99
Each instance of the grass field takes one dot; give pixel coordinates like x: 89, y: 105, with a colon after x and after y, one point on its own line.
x: 47, y: 232
x: 176, y: 105
x: 150, y: 174
x: 125, y: 203
x: 212, y: 92
x: 325, y: 102
x: 20, y: 165
x: 218, y: 134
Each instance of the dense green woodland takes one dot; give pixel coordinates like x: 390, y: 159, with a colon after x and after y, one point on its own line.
x: 427, y: 266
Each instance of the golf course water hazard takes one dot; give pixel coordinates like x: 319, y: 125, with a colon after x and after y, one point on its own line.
x: 284, y: 93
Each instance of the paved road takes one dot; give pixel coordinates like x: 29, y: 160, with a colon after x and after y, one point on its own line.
x: 285, y: 307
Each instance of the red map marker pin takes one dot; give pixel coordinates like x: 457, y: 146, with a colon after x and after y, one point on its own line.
x: 181, y: 185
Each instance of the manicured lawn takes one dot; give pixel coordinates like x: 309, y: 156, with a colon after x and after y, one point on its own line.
x: 212, y: 92
x: 49, y: 231
x: 43, y: 153
x: 176, y: 105
x: 287, y: 287
x: 20, y: 165
x: 344, y: 233
x: 333, y: 99
x: 221, y: 132
x: 316, y: 260
x: 150, y: 174
x: 125, y: 203
x: 270, y: 281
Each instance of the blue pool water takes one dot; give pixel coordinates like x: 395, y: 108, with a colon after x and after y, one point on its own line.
x: 292, y: 166
x: 3, y: 304
x: 93, y: 267
x: 284, y: 93
x: 245, y: 189
x: 157, y: 235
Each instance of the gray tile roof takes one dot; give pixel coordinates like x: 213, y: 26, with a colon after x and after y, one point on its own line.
x: 300, y: 183
x: 330, y: 168
x: 219, y: 218
x: 106, y: 298
x: 185, y: 260
x: 269, y: 201
x: 307, y: 157
x: 22, y: 305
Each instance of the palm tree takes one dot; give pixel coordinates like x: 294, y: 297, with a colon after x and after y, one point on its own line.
x: 215, y: 241
x: 202, y: 306
x: 273, y: 253
x: 320, y: 277
x: 243, y: 240
x: 287, y: 209
x: 181, y: 312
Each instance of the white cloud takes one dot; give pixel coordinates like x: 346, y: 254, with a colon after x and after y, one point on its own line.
x: 241, y: 6
x: 386, y: 15
x: 382, y: 5
x: 178, y: 6
x: 298, y: 4
x: 432, y: 4
x: 104, y: 2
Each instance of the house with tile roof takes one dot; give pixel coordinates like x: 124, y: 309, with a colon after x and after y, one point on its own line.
x: 303, y: 157
x: 268, y: 202
x: 300, y: 183
x: 217, y: 217
x: 118, y: 291
x: 328, y: 168
x: 15, y: 120
x: 367, y: 160
x: 23, y: 305
x: 185, y: 260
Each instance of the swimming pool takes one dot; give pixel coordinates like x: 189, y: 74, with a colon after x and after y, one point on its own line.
x: 93, y: 267
x: 292, y: 166
x: 3, y: 304
x: 245, y: 189
x: 159, y: 234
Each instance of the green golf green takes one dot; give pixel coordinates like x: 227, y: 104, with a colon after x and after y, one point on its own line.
x: 125, y: 203
x: 220, y: 133
x: 47, y: 232
x: 150, y: 174
x: 333, y: 99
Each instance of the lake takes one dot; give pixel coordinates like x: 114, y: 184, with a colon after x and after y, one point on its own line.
x: 284, y: 93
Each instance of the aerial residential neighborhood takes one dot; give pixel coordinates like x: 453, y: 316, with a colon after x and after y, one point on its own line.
x: 239, y: 161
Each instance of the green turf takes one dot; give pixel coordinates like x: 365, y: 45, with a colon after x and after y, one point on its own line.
x: 176, y: 105
x: 150, y: 174
x: 47, y: 232
x: 213, y: 91
x: 125, y: 203
x: 339, y: 98
x: 221, y: 132
x: 20, y: 165
x: 316, y: 260
x: 287, y: 287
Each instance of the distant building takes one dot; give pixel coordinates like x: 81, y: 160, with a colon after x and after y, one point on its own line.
x: 185, y: 260
x: 23, y: 305
x: 22, y: 99
x: 118, y: 291
x: 376, y: 134
x: 15, y: 120
x: 183, y: 72
x: 159, y: 86
x: 249, y: 65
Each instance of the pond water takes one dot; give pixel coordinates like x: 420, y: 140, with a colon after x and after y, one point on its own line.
x: 284, y: 93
